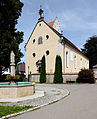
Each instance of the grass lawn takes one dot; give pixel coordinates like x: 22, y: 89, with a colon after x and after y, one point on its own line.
x: 6, y: 110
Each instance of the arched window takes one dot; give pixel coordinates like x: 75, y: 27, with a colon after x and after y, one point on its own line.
x: 81, y: 63
x: 75, y: 62
x: 85, y: 65
x: 67, y: 59
x: 40, y: 40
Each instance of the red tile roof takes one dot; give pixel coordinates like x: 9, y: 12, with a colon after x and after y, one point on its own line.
x: 51, y: 23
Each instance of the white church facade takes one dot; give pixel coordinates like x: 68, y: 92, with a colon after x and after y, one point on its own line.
x: 47, y: 39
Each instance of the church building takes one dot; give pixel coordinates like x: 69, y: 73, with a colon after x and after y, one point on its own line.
x: 47, y: 39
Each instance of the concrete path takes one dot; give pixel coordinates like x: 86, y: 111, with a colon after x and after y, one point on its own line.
x: 80, y: 104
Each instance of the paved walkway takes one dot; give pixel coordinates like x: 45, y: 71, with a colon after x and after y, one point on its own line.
x: 80, y: 104
x: 47, y: 95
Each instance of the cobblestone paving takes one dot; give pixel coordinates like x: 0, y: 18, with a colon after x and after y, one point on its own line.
x: 51, y: 94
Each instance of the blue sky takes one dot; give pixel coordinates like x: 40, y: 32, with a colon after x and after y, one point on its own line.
x: 78, y: 18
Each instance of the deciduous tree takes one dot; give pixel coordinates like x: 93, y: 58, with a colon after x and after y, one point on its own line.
x: 90, y: 50
x: 10, y: 38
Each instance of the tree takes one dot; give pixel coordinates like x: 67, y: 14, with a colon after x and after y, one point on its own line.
x: 17, y: 69
x: 10, y: 38
x: 90, y: 50
x: 43, y: 71
x: 58, y: 70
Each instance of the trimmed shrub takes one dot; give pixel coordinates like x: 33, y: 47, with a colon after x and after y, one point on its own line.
x: 58, y: 70
x: 86, y: 76
x: 43, y: 71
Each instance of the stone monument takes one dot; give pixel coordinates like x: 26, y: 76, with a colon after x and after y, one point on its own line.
x: 12, y: 63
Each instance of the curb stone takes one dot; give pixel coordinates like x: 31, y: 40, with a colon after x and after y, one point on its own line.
x: 35, y: 108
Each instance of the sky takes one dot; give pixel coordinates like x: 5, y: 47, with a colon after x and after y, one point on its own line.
x: 77, y: 18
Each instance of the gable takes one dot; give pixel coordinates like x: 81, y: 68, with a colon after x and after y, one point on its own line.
x: 41, y: 28
x: 53, y: 32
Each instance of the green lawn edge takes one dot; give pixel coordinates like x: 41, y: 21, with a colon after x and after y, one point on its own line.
x: 6, y: 110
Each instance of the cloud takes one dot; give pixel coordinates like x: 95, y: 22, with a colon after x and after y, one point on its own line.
x: 71, y: 20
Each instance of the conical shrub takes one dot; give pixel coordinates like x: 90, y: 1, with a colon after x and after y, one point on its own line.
x: 43, y: 71
x: 58, y: 78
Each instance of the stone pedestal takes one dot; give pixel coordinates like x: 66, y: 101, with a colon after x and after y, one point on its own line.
x: 12, y: 63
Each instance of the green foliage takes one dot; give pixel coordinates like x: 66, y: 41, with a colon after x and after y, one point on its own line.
x: 58, y: 70
x: 17, y: 70
x: 10, y: 38
x: 90, y: 50
x: 17, y: 76
x: 86, y: 76
x: 25, y: 79
x: 43, y: 71
x: 5, y: 110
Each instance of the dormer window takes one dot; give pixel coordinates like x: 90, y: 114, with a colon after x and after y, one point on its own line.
x: 40, y: 40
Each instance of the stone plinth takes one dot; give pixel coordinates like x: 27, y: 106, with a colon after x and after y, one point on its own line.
x: 16, y: 91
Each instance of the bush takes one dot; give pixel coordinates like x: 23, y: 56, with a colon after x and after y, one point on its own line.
x: 58, y: 70
x: 86, y: 76
x: 43, y: 71
x: 24, y: 79
x: 9, y: 77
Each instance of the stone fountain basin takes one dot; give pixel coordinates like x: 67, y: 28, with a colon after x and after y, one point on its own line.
x: 15, y: 91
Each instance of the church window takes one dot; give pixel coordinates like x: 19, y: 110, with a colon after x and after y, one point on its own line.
x: 40, y: 40
x: 67, y: 60
x: 71, y: 56
x: 81, y: 63
x: 39, y: 24
x: 75, y: 62
x: 33, y: 41
x: 47, y: 52
x: 33, y: 55
x: 85, y: 65
x: 47, y: 36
